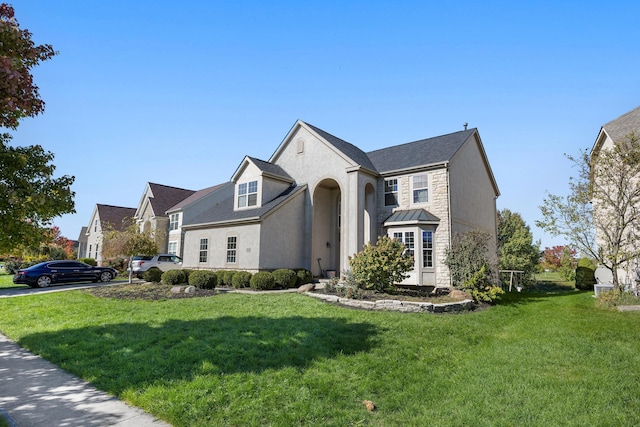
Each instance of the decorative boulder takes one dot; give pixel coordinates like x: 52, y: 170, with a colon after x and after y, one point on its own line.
x: 190, y: 290
x: 307, y: 288
x: 459, y: 295
x: 177, y: 289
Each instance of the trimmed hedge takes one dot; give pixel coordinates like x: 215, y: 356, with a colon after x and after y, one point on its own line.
x: 203, y: 279
x: 585, y: 274
x: 263, y: 280
x: 92, y: 262
x: 285, y: 278
x: 154, y: 274
x: 241, y: 279
x: 225, y: 277
x: 174, y: 277
x: 304, y: 277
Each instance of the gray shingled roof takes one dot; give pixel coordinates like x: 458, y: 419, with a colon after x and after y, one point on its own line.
x: 412, y: 216
x: 164, y: 197
x: 350, y: 150
x: 198, y: 195
x: 619, y: 128
x: 419, y: 153
x: 225, y: 212
x: 270, y: 168
x: 114, y: 215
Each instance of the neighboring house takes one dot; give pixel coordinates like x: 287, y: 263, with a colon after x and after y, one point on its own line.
x: 191, y: 207
x: 319, y: 199
x: 82, y: 243
x: 615, y: 131
x: 151, y: 214
x: 104, y: 216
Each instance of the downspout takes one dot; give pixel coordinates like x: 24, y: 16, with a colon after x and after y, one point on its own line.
x: 449, y: 217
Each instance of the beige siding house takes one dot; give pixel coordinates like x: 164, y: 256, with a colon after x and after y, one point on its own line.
x: 319, y: 199
x: 151, y: 214
x: 103, y: 216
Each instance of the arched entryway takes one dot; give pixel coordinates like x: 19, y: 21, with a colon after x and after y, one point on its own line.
x: 326, y: 228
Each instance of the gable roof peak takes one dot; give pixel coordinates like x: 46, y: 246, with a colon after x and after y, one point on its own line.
x: 624, y: 125
x: 351, y: 151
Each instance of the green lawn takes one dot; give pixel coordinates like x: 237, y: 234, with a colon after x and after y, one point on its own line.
x: 289, y: 360
x: 6, y: 281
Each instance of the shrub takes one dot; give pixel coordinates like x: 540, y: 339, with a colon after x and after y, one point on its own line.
x: 152, y: 275
x: 617, y: 297
x: 381, y: 266
x: 174, y: 277
x: 187, y: 272
x: 119, y: 264
x: 89, y: 261
x: 585, y: 274
x: 241, y: 279
x: 480, y: 286
x: 225, y: 277
x: 285, y: 278
x: 469, y: 252
x: 304, y: 277
x: 12, y: 266
x: 263, y: 280
x: 203, y: 279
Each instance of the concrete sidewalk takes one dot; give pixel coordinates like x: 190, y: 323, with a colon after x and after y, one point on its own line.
x: 36, y: 393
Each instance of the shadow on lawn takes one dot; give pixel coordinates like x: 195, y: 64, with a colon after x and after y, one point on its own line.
x: 116, y: 357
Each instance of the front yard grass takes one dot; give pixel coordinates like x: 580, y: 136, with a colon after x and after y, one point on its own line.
x: 6, y: 281
x: 537, y: 358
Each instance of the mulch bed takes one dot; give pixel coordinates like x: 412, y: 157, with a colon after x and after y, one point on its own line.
x: 147, y: 291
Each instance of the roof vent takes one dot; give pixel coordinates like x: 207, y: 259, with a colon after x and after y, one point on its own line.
x: 465, y: 124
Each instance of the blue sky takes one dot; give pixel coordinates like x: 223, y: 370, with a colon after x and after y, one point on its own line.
x: 178, y: 93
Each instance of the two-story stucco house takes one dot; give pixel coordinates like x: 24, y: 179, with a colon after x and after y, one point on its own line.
x: 151, y: 214
x: 615, y: 132
x: 319, y: 199
x: 103, y: 216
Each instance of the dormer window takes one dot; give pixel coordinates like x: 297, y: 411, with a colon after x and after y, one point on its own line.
x: 248, y: 194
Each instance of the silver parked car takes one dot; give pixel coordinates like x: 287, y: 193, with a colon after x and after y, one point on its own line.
x: 164, y: 262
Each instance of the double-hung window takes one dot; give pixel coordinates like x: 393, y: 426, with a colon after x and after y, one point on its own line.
x: 391, y: 192
x: 427, y: 249
x: 232, y: 246
x: 173, y: 221
x: 408, y: 239
x: 248, y: 194
x: 420, y: 189
x: 204, y: 250
x: 173, y: 248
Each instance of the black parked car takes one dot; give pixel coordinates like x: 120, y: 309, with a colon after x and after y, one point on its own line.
x: 44, y: 274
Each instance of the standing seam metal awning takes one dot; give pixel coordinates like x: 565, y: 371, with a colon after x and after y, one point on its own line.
x: 411, y: 216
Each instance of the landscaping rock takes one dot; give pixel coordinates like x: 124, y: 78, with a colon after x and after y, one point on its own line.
x: 459, y: 295
x: 190, y: 290
x: 307, y: 288
x: 177, y: 289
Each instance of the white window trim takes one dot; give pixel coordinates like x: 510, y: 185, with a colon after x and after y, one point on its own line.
x: 206, y: 250
x: 428, y: 188
x: 176, y: 222
x: 175, y: 250
x: 432, y: 249
x: 227, y: 250
x: 248, y: 194
x: 385, y: 192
